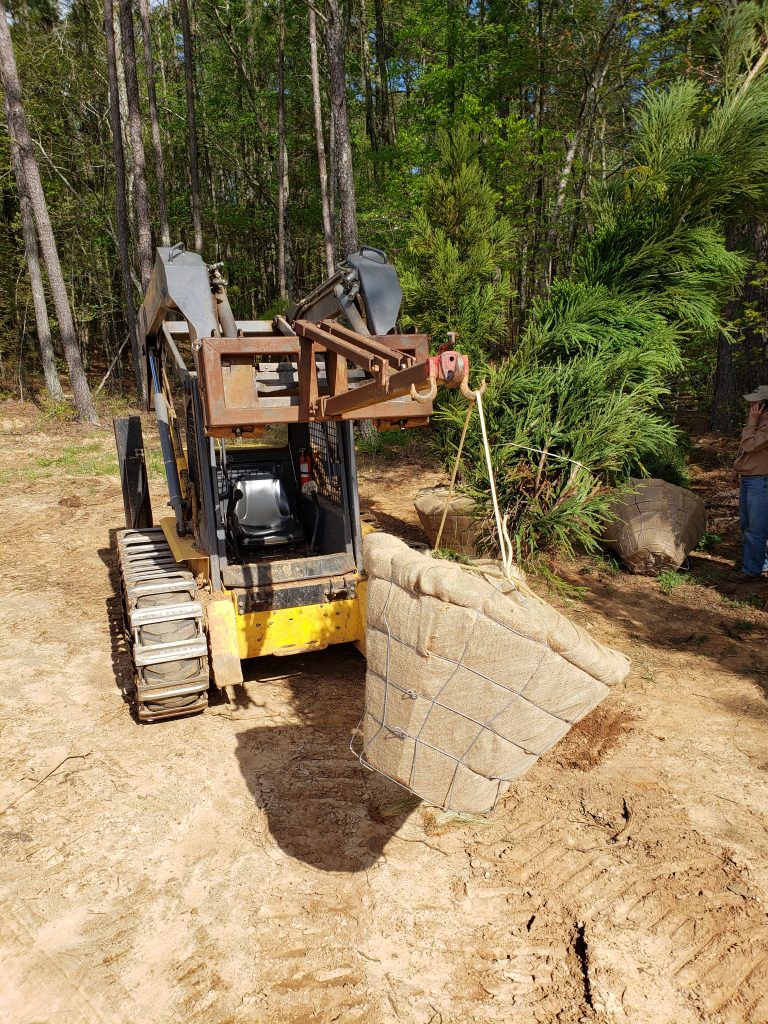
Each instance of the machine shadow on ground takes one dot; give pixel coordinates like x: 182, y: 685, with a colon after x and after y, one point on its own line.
x: 323, y: 807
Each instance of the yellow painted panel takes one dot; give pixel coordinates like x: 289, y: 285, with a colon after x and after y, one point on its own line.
x: 183, y: 548
x: 293, y: 630
x: 222, y: 637
x: 362, y: 598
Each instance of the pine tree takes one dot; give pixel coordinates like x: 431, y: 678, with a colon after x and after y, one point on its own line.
x: 456, y: 271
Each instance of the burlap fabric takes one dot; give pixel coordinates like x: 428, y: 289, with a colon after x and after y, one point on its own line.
x: 469, y: 679
x: 461, y: 529
x: 656, y: 526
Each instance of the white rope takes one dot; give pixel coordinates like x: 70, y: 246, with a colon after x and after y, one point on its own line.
x: 505, y: 542
x: 506, y: 554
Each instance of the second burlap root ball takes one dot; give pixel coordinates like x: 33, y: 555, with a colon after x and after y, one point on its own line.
x: 461, y: 530
x: 657, y: 525
x: 469, y: 679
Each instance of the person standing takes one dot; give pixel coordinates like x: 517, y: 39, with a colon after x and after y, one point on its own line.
x: 750, y: 475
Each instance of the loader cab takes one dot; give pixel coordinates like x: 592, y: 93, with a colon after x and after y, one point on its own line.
x: 287, y: 494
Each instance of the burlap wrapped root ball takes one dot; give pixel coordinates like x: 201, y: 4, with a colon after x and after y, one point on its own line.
x: 470, y: 679
x: 461, y: 530
x: 657, y: 525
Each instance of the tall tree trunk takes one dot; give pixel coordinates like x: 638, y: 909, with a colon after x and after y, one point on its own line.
x: 320, y: 141
x: 141, y: 194
x: 189, y: 79
x: 342, y: 146
x: 122, y: 93
x: 52, y: 382
x: 588, y: 107
x: 282, y: 161
x: 332, y: 176
x: 386, y: 110
x: 121, y: 201
x: 157, y: 145
x: 370, y: 112
x: 17, y: 129
x: 742, y: 364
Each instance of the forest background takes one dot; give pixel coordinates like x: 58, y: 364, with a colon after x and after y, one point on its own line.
x: 579, y: 189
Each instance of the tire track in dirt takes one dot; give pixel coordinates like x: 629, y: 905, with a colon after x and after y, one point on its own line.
x: 698, y: 922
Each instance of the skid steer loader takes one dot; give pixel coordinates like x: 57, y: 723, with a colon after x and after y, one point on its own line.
x: 261, y: 552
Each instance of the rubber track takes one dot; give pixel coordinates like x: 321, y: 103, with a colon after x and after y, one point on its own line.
x: 165, y: 627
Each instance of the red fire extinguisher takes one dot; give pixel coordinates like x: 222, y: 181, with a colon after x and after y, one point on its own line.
x: 305, y: 467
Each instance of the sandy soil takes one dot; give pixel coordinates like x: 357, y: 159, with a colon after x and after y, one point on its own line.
x: 248, y: 869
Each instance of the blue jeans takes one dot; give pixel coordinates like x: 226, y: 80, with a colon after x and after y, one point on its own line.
x: 753, y: 520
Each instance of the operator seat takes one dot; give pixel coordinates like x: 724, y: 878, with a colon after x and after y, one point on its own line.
x: 261, y: 511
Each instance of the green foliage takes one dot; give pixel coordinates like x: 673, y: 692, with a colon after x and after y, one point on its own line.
x: 454, y: 274
x: 86, y: 459
x: 670, y: 580
x: 751, y: 601
x: 387, y: 444
x: 708, y: 541
x: 578, y: 408
x: 564, y: 433
x: 659, y: 227
x: 452, y: 556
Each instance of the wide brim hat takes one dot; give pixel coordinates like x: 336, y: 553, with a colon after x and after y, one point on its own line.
x: 761, y: 395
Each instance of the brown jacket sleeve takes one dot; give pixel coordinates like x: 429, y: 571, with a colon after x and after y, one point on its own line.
x: 754, y: 439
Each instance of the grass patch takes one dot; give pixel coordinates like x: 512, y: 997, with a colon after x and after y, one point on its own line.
x: 752, y: 601
x: 601, y: 563
x: 388, y: 444
x: 670, y: 580
x: 154, y: 461
x: 86, y: 459
x: 452, y: 556
x: 740, y: 629
x: 697, y: 639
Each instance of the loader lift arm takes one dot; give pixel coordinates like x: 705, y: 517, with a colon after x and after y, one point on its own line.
x: 304, y: 367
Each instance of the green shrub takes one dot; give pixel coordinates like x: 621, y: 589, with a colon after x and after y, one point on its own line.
x: 455, y: 273
x: 562, y: 436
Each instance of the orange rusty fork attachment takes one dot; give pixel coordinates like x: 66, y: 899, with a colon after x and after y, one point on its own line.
x: 395, y: 373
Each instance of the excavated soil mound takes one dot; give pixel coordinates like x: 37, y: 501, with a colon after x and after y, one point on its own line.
x: 470, y: 679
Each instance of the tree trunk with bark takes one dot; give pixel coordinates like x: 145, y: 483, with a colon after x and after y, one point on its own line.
x: 121, y: 201
x: 742, y: 363
x: 341, y: 144
x: 17, y: 129
x: 31, y: 252
x: 386, y: 110
x: 282, y: 162
x: 157, y: 144
x: 141, y: 194
x: 194, y: 162
x: 320, y: 141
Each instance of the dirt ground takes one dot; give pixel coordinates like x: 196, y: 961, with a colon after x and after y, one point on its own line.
x: 248, y: 869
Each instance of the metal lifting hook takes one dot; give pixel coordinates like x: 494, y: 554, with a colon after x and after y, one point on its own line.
x: 468, y: 393
x: 427, y: 396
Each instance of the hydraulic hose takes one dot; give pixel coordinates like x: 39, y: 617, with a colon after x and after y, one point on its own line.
x: 166, y: 444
